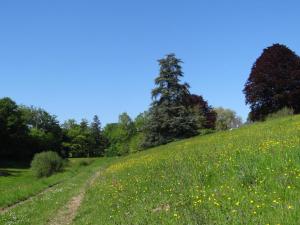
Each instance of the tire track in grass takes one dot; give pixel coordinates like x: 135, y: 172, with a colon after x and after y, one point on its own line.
x: 30, y: 198
x: 66, y: 214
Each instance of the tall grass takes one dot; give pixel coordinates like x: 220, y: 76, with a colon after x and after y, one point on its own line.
x: 281, y: 113
x: 247, y: 176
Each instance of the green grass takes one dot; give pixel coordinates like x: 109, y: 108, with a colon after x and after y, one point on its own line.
x: 42, y: 208
x: 18, y: 184
x: 246, y: 176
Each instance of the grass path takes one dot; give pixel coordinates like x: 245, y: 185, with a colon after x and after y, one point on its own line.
x: 60, y: 202
x: 67, y: 213
x: 18, y: 183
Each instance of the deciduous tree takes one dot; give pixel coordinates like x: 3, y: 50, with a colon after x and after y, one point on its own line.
x: 13, y: 130
x: 274, y: 82
x: 227, y: 119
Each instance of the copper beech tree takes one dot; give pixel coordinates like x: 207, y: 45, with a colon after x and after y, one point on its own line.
x: 274, y: 82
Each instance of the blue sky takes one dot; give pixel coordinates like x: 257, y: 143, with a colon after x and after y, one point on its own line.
x: 80, y: 58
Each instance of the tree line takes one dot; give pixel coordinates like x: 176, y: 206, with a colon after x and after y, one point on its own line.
x: 25, y: 131
x: 175, y: 113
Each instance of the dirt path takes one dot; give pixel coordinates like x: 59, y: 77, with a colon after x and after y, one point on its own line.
x: 67, y: 213
x: 6, y: 209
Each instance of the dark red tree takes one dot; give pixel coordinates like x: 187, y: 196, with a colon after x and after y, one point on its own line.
x: 274, y: 82
x: 208, y: 112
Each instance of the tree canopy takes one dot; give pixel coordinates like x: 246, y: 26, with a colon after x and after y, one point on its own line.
x: 13, y: 129
x: 274, y: 82
x: 227, y: 119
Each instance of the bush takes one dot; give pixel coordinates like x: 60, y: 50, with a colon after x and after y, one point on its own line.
x: 281, y: 113
x: 45, y: 164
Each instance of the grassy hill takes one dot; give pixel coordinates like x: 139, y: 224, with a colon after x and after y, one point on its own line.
x: 245, y: 176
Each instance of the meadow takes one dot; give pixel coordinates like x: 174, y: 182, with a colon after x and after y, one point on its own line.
x: 249, y: 175
x: 44, y: 203
x: 18, y: 181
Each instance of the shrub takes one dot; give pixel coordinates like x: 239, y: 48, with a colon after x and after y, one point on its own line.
x: 45, y: 164
x: 281, y: 113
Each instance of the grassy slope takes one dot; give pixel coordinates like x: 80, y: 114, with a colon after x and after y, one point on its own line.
x: 43, y: 207
x: 246, y: 176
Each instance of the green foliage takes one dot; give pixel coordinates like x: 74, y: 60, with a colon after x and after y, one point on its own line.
x: 113, y: 134
x: 136, y: 142
x: 98, y: 142
x: 25, y: 131
x: 227, y: 119
x: 281, y: 113
x: 141, y: 121
x: 13, y: 130
x: 76, y: 139
x: 45, y: 131
x: 204, y: 113
x: 45, y: 164
x: 119, y: 136
x: 84, y: 140
x: 168, y: 123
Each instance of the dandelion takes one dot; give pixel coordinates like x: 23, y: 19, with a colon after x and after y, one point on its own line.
x: 217, y: 204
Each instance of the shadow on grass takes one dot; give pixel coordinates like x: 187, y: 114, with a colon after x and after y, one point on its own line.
x: 14, y: 164
x: 12, y: 167
x: 9, y: 172
x: 5, y: 173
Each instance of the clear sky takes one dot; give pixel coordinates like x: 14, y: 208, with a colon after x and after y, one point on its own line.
x: 80, y: 58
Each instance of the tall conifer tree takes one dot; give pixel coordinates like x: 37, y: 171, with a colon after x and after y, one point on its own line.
x: 170, y: 118
x: 97, y: 137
